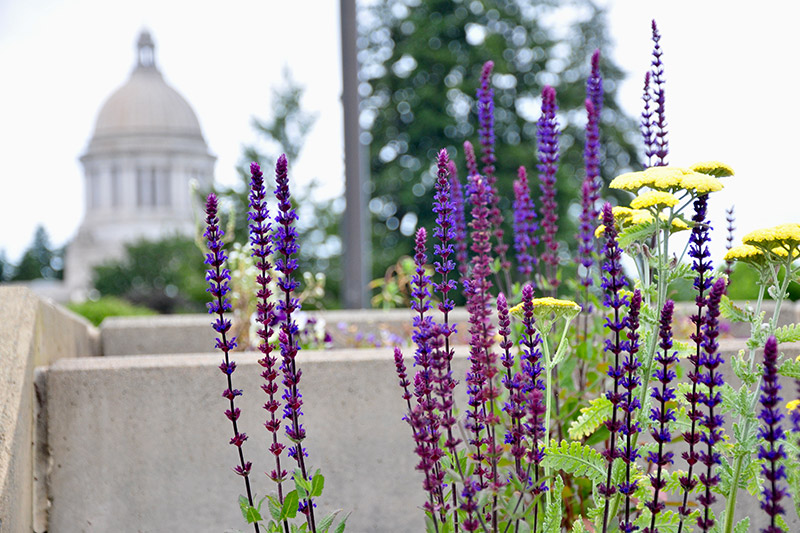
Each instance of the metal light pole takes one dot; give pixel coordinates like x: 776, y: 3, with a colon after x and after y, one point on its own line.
x: 356, y: 258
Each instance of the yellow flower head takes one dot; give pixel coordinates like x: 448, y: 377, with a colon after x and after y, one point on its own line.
x: 666, y: 178
x: 554, y: 303
x: 599, y: 231
x: 744, y: 252
x: 677, y: 223
x: 700, y: 183
x: 713, y: 168
x: 793, y: 405
x: 785, y: 236
x: 639, y: 216
x: 619, y: 211
x: 657, y: 199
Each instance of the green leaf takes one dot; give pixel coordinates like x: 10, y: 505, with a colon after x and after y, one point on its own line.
x: 591, y: 417
x: 637, y: 233
x: 289, y: 509
x: 666, y: 521
x: 781, y: 523
x: 327, y: 521
x: 274, y: 508
x: 552, y: 515
x: 790, y: 368
x: 317, y: 484
x: 244, y: 504
x: 743, y: 526
x: 340, y: 527
x: 577, y: 526
x: 790, y: 333
x: 733, y: 312
x: 576, y: 459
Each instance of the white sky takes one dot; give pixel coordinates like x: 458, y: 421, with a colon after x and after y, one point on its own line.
x: 731, y: 70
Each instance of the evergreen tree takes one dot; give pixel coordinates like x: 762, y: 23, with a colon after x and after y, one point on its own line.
x: 39, y: 261
x: 421, y: 63
x: 318, y: 225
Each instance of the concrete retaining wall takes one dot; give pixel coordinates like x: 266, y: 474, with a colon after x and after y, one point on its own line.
x: 34, y: 332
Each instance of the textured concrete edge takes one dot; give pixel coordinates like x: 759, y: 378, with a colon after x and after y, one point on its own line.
x: 35, y: 331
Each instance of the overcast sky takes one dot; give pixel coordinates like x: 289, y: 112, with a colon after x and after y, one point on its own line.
x: 731, y: 70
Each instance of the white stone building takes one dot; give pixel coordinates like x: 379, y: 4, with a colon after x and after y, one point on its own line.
x: 146, y: 149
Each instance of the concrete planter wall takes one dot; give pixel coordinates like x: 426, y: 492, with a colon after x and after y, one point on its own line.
x: 138, y: 442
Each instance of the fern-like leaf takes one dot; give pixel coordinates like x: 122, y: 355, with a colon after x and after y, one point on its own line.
x: 591, y: 418
x: 553, y: 513
x: 576, y: 459
x: 637, y: 233
x: 790, y: 368
x: 666, y: 521
x: 790, y: 333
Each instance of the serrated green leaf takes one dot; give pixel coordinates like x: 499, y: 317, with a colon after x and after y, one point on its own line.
x: 666, y: 521
x: 578, y: 527
x: 733, y: 312
x: 790, y: 333
x: 244, y: 504
x: 553, y: 513
x: 289, y: 508
x: 576, y: 459
x: 790, y: 368
x: 636, y: 233
x: 781, y: 523
x: 341, y: 526
x: 743, y: 526
x: 252, y: 515
x: 591, y: 418
x: 274, y: 508
x: 324, y: 525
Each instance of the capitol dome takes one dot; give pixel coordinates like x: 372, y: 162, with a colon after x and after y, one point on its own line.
x: 146, y: 152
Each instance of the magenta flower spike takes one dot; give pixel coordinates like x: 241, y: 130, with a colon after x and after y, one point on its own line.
x: 547, y: 136
x: 771, y: 450
x: 630, y: 381
x: 218, y: 276
x: 260, y: 228
x: 525, y: 226
x: 469, y: 156
x: 460, y: 223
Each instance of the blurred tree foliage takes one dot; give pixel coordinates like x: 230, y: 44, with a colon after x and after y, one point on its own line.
x: 421, y: 64
x: 166, y: 275
x: 40, y: 260
x: 319, y: 218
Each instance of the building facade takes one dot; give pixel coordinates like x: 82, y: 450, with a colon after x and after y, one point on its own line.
x: 146, y: 150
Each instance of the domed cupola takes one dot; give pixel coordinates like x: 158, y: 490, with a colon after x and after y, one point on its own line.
x: 146, y: 149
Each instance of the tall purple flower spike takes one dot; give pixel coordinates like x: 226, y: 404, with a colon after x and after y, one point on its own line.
x: 661, y: 415
x: 613, y: 282
x: 701, y: 264
x: 469, y: 157
x: 284, y: 243
x: 525, y: 226
x: 630, y: 405
x: 594, y: 93
x: 710, y: 361
x: 218, y: 276
x: 731, y: 219
x: 646, y: 123
x: 771, y: 450
x: 547, y: 136
x: 657, y: 68
x: 460, y: 223
x: 480, y: 387
x: 260, y: 229
x: 485, y: 96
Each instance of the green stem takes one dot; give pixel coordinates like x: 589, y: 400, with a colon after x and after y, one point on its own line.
x: 548, y: 394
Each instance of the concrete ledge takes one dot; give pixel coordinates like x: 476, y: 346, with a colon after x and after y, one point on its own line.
x: 141, y: 443
x: 34, y: 332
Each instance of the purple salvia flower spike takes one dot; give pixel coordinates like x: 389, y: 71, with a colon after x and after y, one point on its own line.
x: 534, y: 387
x: 457, y: 197
x: 218, y: 276
x: 594, y: 93
x: 657, y: 68
x: 485, y: 97
x: 646, y: 123
x: 469, y: 157
x: 513, y: 382
x: 661, y: 414
x: 771, y: 450
x: 710, y: 361
x: 730, y: 218
x: 480, y: 388
x: 701, y: 264
x: 284, y: 243
x: 630, y: 405
x: 260, y: 229
x: 525, y: 226
x: 613, y: 281
x: 547, y: 137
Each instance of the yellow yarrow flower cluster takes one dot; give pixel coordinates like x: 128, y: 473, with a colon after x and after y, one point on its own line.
x: 657, y: 199
x: 786, y: 236
x: 713, y: 168
x: 554, y: 302
x: 626, y: 217
x: 744, y: 252
x: 793, y: 405
x: 700, y: 178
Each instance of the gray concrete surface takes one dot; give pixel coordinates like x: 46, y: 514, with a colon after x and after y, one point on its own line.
x: 34, y: 332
